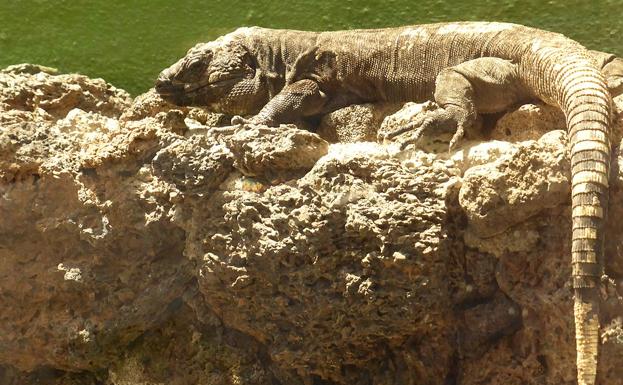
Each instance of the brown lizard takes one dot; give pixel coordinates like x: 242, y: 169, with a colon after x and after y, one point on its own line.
x: 468, y: 68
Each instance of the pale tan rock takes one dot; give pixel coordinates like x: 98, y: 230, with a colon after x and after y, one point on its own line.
x: 31, y: 87
x: 77, y: 287
x: 275, y: 152
x: 310, y: 268
x: 30, y: 69
x: 479, y: 153
x: 498, y: 195
x: 617, y: 128
x: 530, y: 121
x: 356, y: 123
x: 137, y: 251
x: 151, y: 104
x: 196, y: 165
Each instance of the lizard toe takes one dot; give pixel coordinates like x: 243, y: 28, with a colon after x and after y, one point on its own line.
x: 458, y: 135
x: 415, y: 136
x: 238, y: 120
x: 414, y: 125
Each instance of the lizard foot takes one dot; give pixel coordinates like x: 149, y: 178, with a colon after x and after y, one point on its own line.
x: 238, y: 120
x: 431, y: 118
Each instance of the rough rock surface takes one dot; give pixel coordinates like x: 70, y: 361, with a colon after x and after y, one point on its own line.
x: 140, y: 244
x: 356, y: 123
x: 38, y: 89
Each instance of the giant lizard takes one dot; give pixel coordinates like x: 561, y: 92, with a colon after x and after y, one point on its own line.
x: 468, y: 68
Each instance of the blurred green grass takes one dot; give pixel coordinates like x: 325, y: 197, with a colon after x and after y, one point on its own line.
x: 129, y: 42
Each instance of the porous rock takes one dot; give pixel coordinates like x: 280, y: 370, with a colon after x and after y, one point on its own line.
x: 326, y: 269
x: 31, y: 88
x: 275, y: 152
x: 84, y: 267
x: 355, y: 123
x: 503, y: 193
x: 150, y: 104
x: 143, y: 250
x: 529, y: 121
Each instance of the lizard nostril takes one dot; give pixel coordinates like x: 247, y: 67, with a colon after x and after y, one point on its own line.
x: 162, y: 80
x: 164, y: 84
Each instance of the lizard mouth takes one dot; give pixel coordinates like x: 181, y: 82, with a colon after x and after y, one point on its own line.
x: 193, y: 89
x: 166, y: 87
x: 172, y: 89
x: 169, y: 88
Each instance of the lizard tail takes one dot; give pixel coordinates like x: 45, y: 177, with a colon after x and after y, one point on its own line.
x: 586, y: 102
x: 567, y: 76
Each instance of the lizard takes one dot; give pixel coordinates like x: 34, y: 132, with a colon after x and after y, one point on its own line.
x: 467, y: 68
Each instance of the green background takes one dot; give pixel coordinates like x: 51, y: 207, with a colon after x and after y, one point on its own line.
x: 128, y: 42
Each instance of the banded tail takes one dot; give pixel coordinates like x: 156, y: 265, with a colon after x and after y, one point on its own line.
x: 573, y: 81
x: 588, y: 104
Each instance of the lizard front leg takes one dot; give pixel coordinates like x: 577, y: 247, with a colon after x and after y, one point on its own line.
x: 484, y: 85
x: 295, y: 100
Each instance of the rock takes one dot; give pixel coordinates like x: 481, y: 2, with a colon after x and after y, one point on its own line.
x: 151, y: 104
x: 489, y: 321
x: 356, y: 123
x: 32, y: 88
x: 195, y: 165
x: 30, y: 69
x: 501, y: 194
x: 618, y: 122
x: 208, y: 355
x: 275, y: 152
x: 85, y: 267
x: 530, y: 121
x: 614, y: 243
x: 474, y: 154
x: 256, y: 255
x: 311, y: 268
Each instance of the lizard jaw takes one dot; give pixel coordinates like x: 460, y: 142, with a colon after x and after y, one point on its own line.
x: 172, y: 92
x: 166, y: 87
x: 176, y: 92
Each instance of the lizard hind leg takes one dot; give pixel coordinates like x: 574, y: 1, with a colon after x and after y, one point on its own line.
x: 483, y: 85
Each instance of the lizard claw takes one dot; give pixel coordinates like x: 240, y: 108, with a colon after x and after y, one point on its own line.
x: 458, y: 135
x: 415, y: 123
x: 415, y: 136
x: 238, y: 120
x: 401, y: 130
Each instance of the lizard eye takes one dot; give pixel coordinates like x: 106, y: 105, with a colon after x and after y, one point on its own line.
x: 215, y: 77
x: 194, y: 65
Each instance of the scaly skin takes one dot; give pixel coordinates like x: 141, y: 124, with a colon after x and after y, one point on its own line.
x: 467, y: 68
x: 612, y: 69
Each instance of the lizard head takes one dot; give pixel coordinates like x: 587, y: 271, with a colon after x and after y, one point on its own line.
x: 220, y: 75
